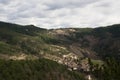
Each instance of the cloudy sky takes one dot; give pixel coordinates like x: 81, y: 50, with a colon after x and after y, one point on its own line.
x: 61, y: 13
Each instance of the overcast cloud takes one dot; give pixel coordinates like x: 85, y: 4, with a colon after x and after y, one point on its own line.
x: 61, y: 13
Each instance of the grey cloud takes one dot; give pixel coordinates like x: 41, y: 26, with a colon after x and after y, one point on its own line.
x: 61, y: 13
x: 69, y: 4
x: 5, y: 1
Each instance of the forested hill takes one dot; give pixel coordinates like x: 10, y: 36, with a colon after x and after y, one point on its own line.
x: 69, y: 47
x: 103, y: 40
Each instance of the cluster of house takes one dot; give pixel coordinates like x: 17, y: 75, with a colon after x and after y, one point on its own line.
x: 70, y: 60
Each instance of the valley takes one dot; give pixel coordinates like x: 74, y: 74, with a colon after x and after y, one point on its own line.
x: 81, y: 51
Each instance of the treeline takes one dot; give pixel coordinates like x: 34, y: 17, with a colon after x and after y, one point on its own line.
x: 41, y: 69
x: 110, y: 70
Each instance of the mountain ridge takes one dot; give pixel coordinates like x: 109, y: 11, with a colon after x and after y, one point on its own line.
x: 83, y: 37
x: 71, y: 47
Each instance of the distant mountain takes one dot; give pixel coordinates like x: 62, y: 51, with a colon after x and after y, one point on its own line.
x: 64, y: 45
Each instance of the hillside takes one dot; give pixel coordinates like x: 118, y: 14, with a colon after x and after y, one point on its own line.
x: 71, y: 47
x: 98, y: 40
x: 41, y: 69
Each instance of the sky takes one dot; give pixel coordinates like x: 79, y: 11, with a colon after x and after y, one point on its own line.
x: 61, y: 13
